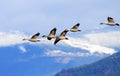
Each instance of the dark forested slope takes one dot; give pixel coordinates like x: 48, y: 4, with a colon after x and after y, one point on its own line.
x: 109, y: 66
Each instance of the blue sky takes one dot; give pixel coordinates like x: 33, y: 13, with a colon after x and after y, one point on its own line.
x: 22, y: 18
x: 24, y: 15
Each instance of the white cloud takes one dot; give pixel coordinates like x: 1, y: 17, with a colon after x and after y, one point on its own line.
x: 109, y: 39
x: 97, y: 42
x: 92, y: 48
x: 64, y: 57
x: 31, y: 57
x: 23, y: 49
x: 15, y: 37
x: 101, y: 43
x: 63, y: 53
x: 63, y: 60
x: 8, y: 39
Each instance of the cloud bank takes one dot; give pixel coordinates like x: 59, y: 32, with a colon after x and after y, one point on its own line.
x: 63, y: 53
x: 93, y: 43
x: 11, y: 38
x: 92, y: 48
x: 63, y: 60
x: 97, y: 42
x: 109, y: 39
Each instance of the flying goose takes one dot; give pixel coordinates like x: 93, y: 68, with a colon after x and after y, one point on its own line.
x: 110, y: 22
x: 51, y: 34
x: 33, y: 38
x: 75, y: 28
x: 61, y: 37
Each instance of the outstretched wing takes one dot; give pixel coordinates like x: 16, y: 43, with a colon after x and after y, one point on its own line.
x: 53, y: 31
x: 35, y: 36
x: 56, y: 40
x: 76, y: 26
x: 110, y: 19
x: 64, y: 33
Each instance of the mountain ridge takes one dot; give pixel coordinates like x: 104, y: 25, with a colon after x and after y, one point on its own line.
x: 108, y: 66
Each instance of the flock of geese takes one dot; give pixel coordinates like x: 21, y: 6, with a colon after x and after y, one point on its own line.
x: 62, y: 36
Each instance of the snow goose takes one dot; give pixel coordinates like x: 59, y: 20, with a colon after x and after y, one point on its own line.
x: 110, y: 22
x: 51, y: 34
x: 61, y: 37
x: 33, y: 38
x: 75, y: 28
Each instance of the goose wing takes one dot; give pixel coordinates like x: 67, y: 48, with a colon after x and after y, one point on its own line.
x: 76, y: 26
x: 110, y: 19
x: 35, y: 36
x: 56, y: 40
x: 53, y: 31
x: 64, y: 33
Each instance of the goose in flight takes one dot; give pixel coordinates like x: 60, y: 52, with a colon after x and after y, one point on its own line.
x: 61, y: 37
x: 110, y: 22
x: 51, y: 34
x: 75, y: 28
x: 33, y: 38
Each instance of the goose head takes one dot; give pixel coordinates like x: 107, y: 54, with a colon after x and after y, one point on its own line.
x: 44, y: 36
x: 25, y: 39
x: 102, y: 23
x: 66, y: 38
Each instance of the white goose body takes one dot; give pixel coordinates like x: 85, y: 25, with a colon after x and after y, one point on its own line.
x: 51, y: 36
x: 109, y: 23
x: 61, y: 37
x: 32, y: 40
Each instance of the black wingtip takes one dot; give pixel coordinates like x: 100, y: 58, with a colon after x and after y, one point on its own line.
x: 37, y: 33
x: 54, y: 43
x: 66, y: 30
x: 78, y: 24
x: 55, y: 28
x: 117, y: 24
x: 110, y: 17
x: 23, y: 39
x: 43, y: 36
